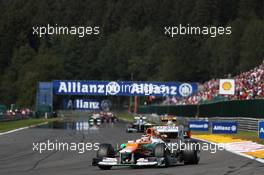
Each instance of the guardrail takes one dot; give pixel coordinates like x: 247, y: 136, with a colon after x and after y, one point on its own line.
x: 244, y: 124
x: 233, y: 108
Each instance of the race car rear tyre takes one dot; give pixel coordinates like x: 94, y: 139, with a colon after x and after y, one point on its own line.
x: 160, y: 151
x: 191, y: 156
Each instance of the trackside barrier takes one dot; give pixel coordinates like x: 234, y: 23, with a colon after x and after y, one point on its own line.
x: 198, y: 125
x: 235, y: 108
x: 247, y: 112
x: 224, y: 127
x: 244, y: 124
x: 261, y: 129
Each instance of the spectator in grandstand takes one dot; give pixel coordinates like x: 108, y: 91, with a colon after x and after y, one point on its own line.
x: 249, y: 85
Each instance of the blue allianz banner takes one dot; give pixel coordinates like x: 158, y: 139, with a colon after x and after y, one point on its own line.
x: 74, y: 87
x: 198, y: 125
x: 224, y: 127
x: 82, y: 104
x: 261, y: 129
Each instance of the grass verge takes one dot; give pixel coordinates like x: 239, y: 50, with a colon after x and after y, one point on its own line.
x: 244, y: 135
x: 125, y: 116
x: 10, y: 125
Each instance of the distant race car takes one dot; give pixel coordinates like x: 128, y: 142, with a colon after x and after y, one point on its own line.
x: 95, y: 119
x: 174, y: 121
x: 156, y: 148
x: 165, y: 120
x: 139, y: 125
x: 108, y: 117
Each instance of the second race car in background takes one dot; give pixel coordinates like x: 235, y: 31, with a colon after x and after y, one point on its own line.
x: 108, y: 117
x: 139, y: 125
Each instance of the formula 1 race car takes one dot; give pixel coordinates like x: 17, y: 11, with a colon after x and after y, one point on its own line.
x: 95, y: 119
x: 139, y: 125
x: 108, y: 117
x: 174, y: 121
x: 162, y: 146
x: 169, y: 120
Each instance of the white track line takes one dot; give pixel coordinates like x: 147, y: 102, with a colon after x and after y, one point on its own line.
x: 234, y: 152
x: 19, y: 129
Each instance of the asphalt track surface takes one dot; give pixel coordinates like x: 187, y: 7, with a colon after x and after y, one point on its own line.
x: 17, y: 156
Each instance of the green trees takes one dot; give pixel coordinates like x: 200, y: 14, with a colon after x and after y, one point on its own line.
x: 131, y: 41
x: 252, y: 44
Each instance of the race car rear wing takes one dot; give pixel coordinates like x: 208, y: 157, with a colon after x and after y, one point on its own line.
x: 164, y: 129
x: 171, y: 131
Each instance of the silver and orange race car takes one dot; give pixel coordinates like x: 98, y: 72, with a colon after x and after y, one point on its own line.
x: 156, y: 148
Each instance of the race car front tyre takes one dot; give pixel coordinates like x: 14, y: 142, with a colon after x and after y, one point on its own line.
x: 160, y: 151
x: 105, y: 150
x: 191, y: 156
x: 105, y: 167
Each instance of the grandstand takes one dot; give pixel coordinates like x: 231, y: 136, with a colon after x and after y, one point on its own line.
x: 249, y: 85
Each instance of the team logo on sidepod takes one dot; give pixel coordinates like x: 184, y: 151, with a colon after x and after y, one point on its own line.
x: 185, y: 89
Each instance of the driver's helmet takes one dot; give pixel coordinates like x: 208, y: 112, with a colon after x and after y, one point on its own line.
x: 145, y: 139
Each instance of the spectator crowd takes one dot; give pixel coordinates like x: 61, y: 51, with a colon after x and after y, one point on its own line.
x: 248, y: 85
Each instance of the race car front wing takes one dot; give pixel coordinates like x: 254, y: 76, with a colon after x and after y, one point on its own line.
x: 151, y: 161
